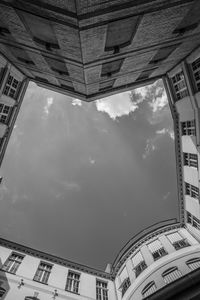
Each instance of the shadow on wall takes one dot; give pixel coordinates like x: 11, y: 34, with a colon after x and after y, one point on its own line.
x: 4, y: 285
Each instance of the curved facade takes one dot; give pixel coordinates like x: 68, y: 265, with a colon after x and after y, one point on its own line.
x: 155, y: 261
x: 165, y: 257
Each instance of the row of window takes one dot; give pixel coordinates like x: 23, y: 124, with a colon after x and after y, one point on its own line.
x: 193, y: 220
x: 44, y: 270
x: 190, y: 159
x: 170, y: 275
x: 11, y: 89
x: 179, y: 84
x: 191, y: 190
x: 157, y: 250
x: 188, y: 128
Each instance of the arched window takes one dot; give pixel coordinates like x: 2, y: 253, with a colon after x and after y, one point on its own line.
x: 2, y: 292
x: 149, y: 289
x: 171, y: 275
x: 193, y: 263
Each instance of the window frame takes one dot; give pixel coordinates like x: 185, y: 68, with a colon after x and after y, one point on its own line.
x: 5, y: 111
x: 125, y: 285
x: 195, y: 69
x: 11, y: 265
x: 42, y: 274
x: 188, y: 128
x: 191, y: 190
x: 101, y: 291
x: 75, y: 283
x: 11, y: 87
x: 179, y: 86
x: 139, y: 268
x: 190, y: 160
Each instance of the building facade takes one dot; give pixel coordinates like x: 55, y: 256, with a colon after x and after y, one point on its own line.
x: 89, y: 50
x: 150, y: 262
x: 13, y: 85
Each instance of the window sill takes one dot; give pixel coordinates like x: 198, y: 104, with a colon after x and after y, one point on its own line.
x: 8, y: 272
x: 72, y: 292
x: 40, y: 282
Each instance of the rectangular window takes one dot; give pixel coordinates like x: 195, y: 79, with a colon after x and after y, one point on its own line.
x: 190, y: 160
x: 191, y: 190
x: 125, y: 281
x: 139, y: 263
x: 177, y: 240
x: 12, y: 263
x: 156, y: 249
x: 73, y: 280
x: 4, y: 113
x: 101, y: 290
x: 188, y: 128
x: 11, y: 87
x: 196, y: 73
x: 43, y: 272
x: 179, y: 85
x: 125, y: 285
x: 149, y: 289
x: 193, y: 220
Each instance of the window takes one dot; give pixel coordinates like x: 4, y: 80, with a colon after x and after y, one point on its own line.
x: 177, y: 240
x: 125, y: 281
x: 156, y: 249
x: 139, y: 263
x: 193, y: 220
x: 149, y: 289
x: 73, y: 280
x: 191, y: 190
x: 11, y: 87
x: 171, y: 275
x: 125, y: 285
x: 190, y: 160
x: 188, y: 128
x: 12, y: 263
x: 101, y: 290
x: 4, y: 112
x: 43, y: 272
x: 193, y: 263
x: 179, y: 85
x: 196, y: 73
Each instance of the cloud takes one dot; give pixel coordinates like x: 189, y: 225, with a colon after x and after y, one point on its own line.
x: 48, y: 105
x: 70, y: 185
x: 18, y: 198
x: 150, y: 147
x: 92, y: 161
x: 166, y: 196
x: 159, y: 102
x: 76, y: 102
x: 168, y: 131
x: 117, y: 106
x: 151, y: 143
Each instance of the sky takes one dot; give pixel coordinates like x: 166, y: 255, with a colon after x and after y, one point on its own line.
x: 80, y: 179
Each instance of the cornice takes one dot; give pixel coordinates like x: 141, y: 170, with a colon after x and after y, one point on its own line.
x: 54, y: 259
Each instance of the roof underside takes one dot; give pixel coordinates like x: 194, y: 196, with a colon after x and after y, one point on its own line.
x: 90, y: 49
